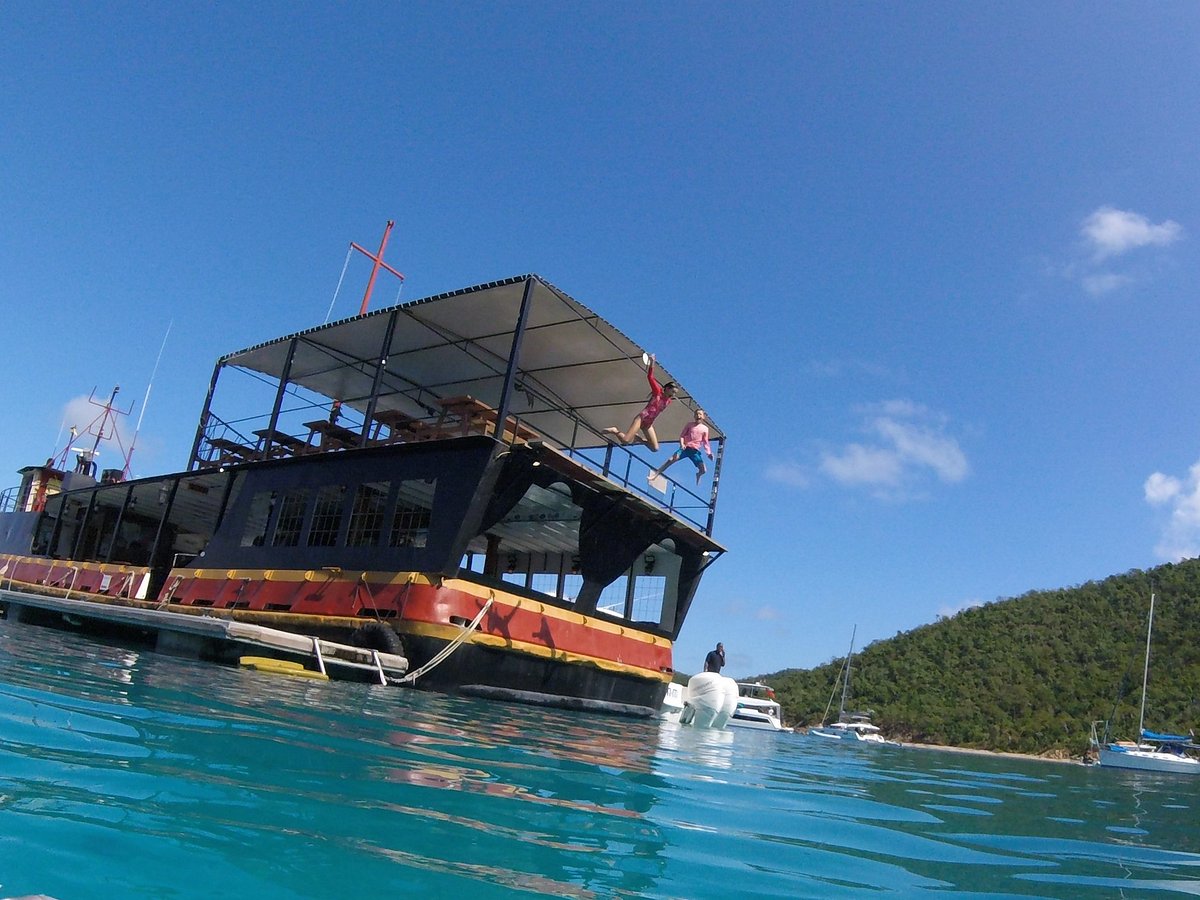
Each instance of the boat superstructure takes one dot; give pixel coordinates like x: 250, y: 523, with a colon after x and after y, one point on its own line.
x: 757, y: 708
x: 390, y: 479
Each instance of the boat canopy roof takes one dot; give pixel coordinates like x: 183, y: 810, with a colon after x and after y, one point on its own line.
x: 574, y: 373
x: 1159, y: 738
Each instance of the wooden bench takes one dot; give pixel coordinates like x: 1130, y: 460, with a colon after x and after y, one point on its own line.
x: 401, y: 427
x: 231, y: 451
x: 280, y: 443
x: 333, y: 436
x: 465, y: 414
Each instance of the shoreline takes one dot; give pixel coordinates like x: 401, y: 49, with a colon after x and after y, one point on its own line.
x: 973, y: 751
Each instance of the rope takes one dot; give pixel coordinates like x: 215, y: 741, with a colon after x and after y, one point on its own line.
x: 441, y: 655
x: 363, y: 585
x: 338, y: 289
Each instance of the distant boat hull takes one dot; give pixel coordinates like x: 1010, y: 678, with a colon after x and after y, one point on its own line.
x: 1146, y: 759
x: 857, y: 732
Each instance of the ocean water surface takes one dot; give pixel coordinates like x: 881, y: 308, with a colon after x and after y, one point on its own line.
x: 130, y: 774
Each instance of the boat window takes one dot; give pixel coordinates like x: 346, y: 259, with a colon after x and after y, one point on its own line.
x: 255, y: 532
x: 366, y: 516
x: 572, y: 585
x: 73, y: 514
x: 134, y: 538
x: 544, y: 583
x: 291, y: 517
x: 648, y: 593
x: 413, y: 513
x: 45, y: 529
x: 474, y: 562
x: 612, y: 598
x: 327, y: 516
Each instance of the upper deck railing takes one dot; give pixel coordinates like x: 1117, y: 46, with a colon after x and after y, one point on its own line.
x: 306, y: 428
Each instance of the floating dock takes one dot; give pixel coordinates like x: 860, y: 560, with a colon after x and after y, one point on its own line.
x: 207, y: 637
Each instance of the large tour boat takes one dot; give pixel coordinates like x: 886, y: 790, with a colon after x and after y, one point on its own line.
x: 430, y: 477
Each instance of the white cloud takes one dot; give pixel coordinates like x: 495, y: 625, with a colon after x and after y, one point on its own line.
x: 791, y: 474
x: 919, y: 445
x: 1160, y: 488
x: 947, y: 611
x: 1112, y: 232
x: 840, y: 368
x: 908, y: 443
x: 1180, y: 536
x: 856, y: 464
x: 1104, y: 283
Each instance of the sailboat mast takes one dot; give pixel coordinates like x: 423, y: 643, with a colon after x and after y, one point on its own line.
x: 1146, y: 669
x: 846, y: 680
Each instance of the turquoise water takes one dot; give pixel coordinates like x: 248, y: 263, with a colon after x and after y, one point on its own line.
x: 128, y: 774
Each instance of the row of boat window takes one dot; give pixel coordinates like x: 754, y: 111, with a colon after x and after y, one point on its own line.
x: 398, y: 513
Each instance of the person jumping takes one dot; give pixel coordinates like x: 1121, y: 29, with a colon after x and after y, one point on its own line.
x: 660, y: 399
x: 692, y: 440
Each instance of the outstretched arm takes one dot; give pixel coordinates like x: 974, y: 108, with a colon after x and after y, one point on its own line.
x: 655, y: 387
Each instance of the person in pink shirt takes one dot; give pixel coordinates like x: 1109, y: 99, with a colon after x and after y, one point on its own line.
x: 692, y: 440
x: 660, y: 399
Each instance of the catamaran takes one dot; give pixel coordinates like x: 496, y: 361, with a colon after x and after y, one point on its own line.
x: 855, y: 726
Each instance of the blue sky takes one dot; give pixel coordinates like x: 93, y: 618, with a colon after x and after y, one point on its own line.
x: 931, y: 266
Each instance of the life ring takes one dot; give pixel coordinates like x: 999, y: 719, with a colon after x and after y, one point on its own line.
x: 378, y: 636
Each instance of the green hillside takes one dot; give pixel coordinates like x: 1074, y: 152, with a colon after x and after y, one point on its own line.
x: 1027, y: 674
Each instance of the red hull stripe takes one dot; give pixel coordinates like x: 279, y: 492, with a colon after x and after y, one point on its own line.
x: 413, y: 603
x: 103, y: 579
x: 434, y: 607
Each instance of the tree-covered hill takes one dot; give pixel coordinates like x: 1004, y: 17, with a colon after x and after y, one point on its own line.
x: 1027, y: 674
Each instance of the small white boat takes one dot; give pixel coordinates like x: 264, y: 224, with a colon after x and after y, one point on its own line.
x: 855, y: 727
x: 757, y: 708
x: 1153, y: 751
x: 848, y: 726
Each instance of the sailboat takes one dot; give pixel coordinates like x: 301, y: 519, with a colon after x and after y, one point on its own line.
x: 855, y: 726
x: 1153, y: 751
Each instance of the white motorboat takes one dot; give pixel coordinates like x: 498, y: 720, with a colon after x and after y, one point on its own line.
x: 757, y: 708
x: 848, y: 726
x: 1153, y: 751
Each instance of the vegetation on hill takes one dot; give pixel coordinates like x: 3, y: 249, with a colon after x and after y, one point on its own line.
x: 1028, y: 674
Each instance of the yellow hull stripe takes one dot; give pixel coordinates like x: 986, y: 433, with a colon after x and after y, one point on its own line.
x: 455, y: 584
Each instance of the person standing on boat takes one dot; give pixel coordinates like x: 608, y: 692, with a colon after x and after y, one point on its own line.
x: 660, y: 399
x: 715, y: 659
x: 692, y: 440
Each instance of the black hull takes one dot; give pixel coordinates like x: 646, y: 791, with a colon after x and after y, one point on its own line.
x: 502, y: 674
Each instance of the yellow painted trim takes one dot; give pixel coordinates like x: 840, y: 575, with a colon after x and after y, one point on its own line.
x: 102, y: 568
x: 457, y: 584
